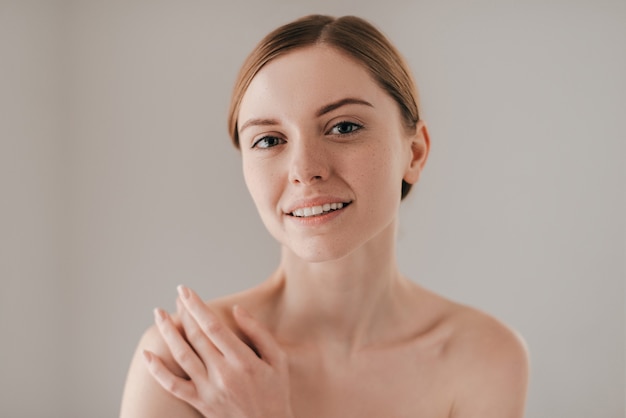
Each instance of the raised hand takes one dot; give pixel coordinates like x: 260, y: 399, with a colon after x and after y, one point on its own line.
x: 227, y: 379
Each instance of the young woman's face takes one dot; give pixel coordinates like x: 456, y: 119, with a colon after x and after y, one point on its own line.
x: 324, y: 153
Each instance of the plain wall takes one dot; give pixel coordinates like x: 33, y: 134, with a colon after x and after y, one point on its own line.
x: 118, y: 182
x: 33, y: 305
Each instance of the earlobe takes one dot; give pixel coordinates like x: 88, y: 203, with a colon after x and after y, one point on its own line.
x: 420, y: 147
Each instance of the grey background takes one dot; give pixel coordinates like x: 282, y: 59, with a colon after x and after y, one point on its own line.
x: 118, y: 182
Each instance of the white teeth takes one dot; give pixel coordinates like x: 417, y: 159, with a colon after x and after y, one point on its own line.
x: 316, y: 210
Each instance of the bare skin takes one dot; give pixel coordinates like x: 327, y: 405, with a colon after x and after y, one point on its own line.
x: 443, y: 360
x: 342, y: 332
x: 419, y: 367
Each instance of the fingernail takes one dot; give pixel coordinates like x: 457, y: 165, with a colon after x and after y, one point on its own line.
x: 147, y: 356
x: 183, y: 292
x: 159, y: 315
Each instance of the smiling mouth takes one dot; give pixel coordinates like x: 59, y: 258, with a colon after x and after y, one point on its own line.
x: 319, y: 210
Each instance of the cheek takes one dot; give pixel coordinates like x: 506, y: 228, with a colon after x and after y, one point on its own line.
x: 261, y: 183
x: 252, y: 178
x: 378, y: 170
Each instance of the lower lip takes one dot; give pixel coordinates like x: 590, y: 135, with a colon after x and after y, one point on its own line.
x: 317, y: 220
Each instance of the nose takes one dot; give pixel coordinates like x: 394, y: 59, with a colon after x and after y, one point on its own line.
x: 309, y: 162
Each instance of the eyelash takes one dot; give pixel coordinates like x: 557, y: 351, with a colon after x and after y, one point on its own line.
x: 265, y: 138
x: 354, y: 127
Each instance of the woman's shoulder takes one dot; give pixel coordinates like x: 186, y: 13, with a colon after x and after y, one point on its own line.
x: 468, y: 330
x: 142, y: 394
x: 488, y: 358
x: 221, y: 306
x: 483, y: 338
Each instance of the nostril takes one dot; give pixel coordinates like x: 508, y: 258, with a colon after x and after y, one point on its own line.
x: 311, y: 179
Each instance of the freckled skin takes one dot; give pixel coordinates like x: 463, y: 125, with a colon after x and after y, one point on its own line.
x: 366, y: 167
x: 361, y: 339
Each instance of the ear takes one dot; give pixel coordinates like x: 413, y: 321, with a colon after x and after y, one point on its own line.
x: 420, y: 147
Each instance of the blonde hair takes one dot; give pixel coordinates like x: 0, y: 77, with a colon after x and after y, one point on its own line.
x: 352, y: 35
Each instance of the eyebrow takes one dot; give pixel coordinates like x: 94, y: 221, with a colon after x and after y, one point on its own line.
x: 258, y: 122
x: 339, y: 103
x: 322, y: 111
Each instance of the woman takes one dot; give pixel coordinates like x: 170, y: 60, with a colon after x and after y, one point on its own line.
x: 325, y: 114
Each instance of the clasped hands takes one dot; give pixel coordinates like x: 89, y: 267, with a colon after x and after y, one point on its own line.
x: 226, y: 377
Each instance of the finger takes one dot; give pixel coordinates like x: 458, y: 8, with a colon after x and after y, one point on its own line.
x: 220, y: 335
x: 259, y: 335
x: 200, y: 343
x: 180, y: 349
x: 179, y: 306
x: 177, y: 386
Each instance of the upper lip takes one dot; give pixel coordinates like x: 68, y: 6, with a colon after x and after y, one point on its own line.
x: 317, y: 201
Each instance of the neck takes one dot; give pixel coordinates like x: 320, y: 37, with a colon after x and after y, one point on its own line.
x: 347, y: 301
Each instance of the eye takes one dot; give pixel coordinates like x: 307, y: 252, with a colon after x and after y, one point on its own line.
x: 343, y: 128
x: 267, y: 142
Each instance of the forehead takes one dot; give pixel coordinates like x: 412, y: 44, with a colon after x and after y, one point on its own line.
x: 306, y: 78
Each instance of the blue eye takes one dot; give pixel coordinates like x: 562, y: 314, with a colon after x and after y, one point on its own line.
x: 268, y: 142
x: 343, y: 128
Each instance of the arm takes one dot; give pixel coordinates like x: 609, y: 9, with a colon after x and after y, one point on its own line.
x: 143, y: 396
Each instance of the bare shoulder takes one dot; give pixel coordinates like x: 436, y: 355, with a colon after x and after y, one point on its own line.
x: 143, y: 396
x: 483, y: 337
x: 490, y: 364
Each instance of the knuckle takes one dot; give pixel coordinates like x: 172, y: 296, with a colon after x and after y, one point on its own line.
x: 219, y: 369
x: 228, y: 381
x: 182, y: 355
x: 172, y: 386
x: 222, y: 381
x: 218, y: 398
x: 282, y: 356
x: 246, y: 367
x: 195, y: 334
x: 213, y: 327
